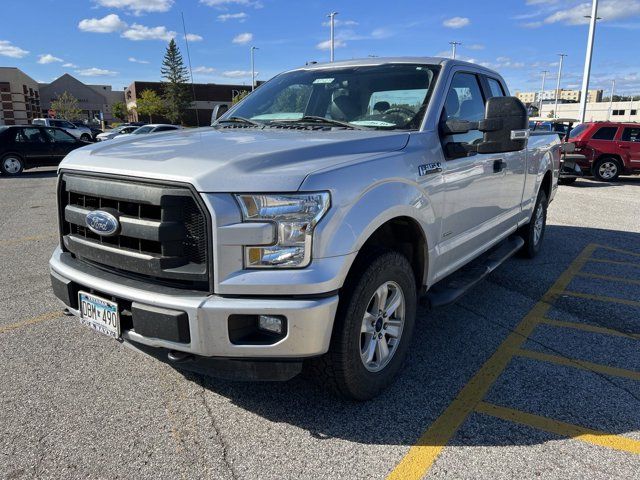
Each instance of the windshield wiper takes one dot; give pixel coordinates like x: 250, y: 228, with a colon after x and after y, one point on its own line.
x: 318, y: 119
x: 240, y: 120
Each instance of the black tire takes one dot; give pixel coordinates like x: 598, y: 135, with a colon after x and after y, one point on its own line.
x: 11, y: 164
x: 342, y: 369
x: 532, y: 240
x: 85, y: 137
x: 567, y: 181
x: 606, y: 169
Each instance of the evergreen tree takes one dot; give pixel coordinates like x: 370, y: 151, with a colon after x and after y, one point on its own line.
x: 175, y: 90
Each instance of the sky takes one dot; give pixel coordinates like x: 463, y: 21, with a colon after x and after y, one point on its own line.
x: 118, y: 41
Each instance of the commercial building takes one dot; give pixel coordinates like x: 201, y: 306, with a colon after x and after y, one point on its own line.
x: 565, y: 96
x: 597, y: 111
x: 19, y: 97
x: 207, y: 95
x: 93, y: 100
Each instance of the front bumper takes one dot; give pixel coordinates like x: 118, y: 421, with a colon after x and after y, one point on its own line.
x: 309, y: 320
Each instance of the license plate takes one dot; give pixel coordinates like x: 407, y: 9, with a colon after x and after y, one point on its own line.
x: 100, y: 314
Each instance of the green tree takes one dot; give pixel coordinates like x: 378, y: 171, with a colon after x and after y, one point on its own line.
x: 150, y: 104
x: 175, y: 90
x: 240, y: 96
x: 66, y: 106
x: 119, y: 110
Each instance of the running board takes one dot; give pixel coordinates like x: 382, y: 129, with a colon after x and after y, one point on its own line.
x: 450, y: 288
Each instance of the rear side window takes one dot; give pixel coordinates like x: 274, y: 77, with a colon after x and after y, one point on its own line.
x: 631, y: 135
x: 495, y: 87
x: 605, y: 133
x: 29, y: 135
x: 578, y: 130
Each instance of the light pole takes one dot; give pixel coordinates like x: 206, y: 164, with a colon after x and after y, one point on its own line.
x: 453, y: 48
x: 587, y: 61
x: 332, y: 16
x: 253, y: 70
x: 544, y: 77
x: 555, y: 110
x: 613, y: 91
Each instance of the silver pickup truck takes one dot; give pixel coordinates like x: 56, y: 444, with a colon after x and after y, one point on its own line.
x: 303, y: 228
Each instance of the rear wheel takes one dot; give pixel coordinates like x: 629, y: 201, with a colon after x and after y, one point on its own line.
x: 606, y: 169
x: 373, y: 328
x: 85, y: 137
x: 533, y: 232
x: 11, y: 164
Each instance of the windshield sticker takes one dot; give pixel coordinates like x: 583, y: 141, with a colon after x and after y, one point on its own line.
x: 323, y: 80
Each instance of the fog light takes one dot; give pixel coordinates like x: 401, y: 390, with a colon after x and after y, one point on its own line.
x: 271, y: 324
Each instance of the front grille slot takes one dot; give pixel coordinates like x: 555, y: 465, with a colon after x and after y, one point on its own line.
x: 163, y: 229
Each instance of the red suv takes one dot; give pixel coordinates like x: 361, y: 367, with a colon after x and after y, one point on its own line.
x: 609, y: 149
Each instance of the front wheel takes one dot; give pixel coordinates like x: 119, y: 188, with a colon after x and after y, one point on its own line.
x: 533, y: 232
x: 11, y: 165
x: 373, y: 328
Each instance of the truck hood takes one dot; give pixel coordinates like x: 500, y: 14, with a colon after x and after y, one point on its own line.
x: 233, y: 159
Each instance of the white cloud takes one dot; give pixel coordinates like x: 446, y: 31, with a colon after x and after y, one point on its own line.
x: 192, y: 37
x: 136, y: 60
x: 502, y: 63
x: 243, y: 38
x: 456, y: 22
x: 341, y: 23
x: 9, y: 50
x: 96, y: 72
x: 107, y: 24
x: 226, y: 3
x: 241, y: 16
x: 70, y: 65
x: 138, y: 7
x: 137, y: 32
x: 238, y: 74
x: 608, y: 10
x: 474, y: 46
x: 48, y: 58
x: 204, y: 70
x: 326, y: 45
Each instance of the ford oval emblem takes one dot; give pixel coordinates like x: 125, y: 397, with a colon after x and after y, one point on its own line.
x: 103, y: 223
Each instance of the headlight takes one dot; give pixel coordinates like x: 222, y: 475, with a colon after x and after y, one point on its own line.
x: 295, y: 216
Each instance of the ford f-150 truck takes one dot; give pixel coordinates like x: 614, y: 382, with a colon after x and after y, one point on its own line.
x: 303, y: 228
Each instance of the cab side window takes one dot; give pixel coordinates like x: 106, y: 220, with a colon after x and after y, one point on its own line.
x: 464, y: 102
x: 495, y: 88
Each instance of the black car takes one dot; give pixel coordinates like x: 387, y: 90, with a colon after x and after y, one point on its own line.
x: 29, y: 146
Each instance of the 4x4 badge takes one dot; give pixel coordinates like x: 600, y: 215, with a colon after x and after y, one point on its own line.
x: 428, y: 168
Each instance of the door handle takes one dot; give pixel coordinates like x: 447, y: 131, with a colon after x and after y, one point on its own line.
x: 625, y: 147
x: 499, y: 165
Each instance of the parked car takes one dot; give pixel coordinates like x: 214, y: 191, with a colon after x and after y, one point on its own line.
x: 119, y: 130
x: 304, y: 226
x: 82, y: 132
x: 570, y: 169
x: 608, y: 149
x: 153, y: 128
x: 28, y: 146
x: 95, y: 131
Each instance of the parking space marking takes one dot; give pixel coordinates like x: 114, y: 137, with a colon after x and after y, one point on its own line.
x: 32, y: 238
x: 602, y: 439
x: 615, y: 262
x: 589, y: 328
x: 619, y: 250
x: 609, y: 278
x: 24, y: 323
x: 602, y: 298
x: 576, y: 363
x: 425, y: 451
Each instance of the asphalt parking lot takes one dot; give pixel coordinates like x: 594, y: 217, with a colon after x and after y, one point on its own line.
x: 534, y: 374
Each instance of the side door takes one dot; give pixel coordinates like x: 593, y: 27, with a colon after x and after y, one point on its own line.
x: 32, y: 145
x: 62, y: 143
x: 629, y: 145
x: 472, y: 215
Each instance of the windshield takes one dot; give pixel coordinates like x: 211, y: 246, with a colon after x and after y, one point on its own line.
x: 142, y: 130
x: 391, y: 96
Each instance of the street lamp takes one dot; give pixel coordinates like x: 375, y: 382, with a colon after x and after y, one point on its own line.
x: 555, y: 110
x: 587, y: 62
x: 253, y: 70
x: 544, y: 77
x: 453, y: 48
x: 613, y: 91
x: 331, y: 29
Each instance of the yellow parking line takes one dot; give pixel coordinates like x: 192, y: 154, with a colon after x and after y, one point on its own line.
x: 33, y: 238
x: 609, y: 278
x: 589, y: 328
x: 31, y: 321
x: 426, y: 450
x: 581, y: 364
x: 602, y: 298
x: 619, y: 250
x: 595, y: 437
x: 615, y: 262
